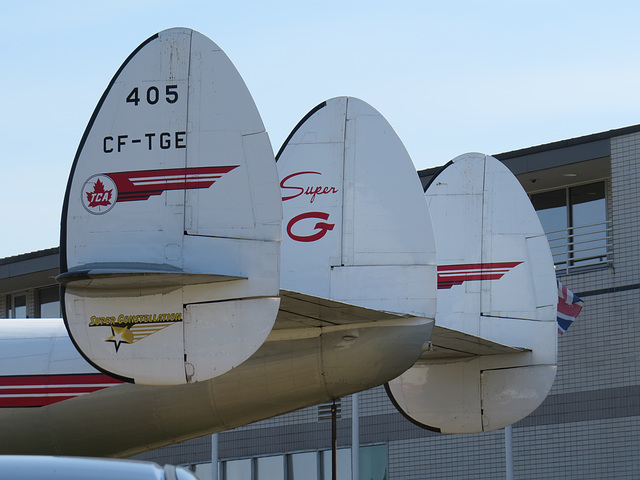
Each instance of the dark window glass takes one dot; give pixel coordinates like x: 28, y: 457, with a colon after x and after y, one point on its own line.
x: 17, y: 305
x: 588, y: 222
x: 49, y: 302
x: 575, y: 221
x: 552, y: 211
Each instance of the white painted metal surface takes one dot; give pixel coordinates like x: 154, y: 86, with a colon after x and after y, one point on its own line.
x: 172, y: 219
x: 496, y: 284
x: 356, y: 224
x: 38, y: 347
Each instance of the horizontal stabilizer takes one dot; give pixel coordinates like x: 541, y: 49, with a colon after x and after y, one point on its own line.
x: 300, y: 312
x: 353, y: 344
x: 447, y: 344
x: 134, y: 278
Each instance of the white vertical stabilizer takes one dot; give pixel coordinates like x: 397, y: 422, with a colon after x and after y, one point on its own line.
x: 355, y: 222
x: 493, y: 355
x: 170, y: 243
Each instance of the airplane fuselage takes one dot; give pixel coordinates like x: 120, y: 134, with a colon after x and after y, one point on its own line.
x: 125, y: 419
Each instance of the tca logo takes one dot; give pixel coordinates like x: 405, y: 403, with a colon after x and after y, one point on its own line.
x: 99, y: 194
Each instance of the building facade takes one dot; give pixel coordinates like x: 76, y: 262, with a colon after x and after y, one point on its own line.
x: 586, y: 191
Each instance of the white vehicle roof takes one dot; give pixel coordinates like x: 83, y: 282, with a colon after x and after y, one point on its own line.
x: 27, y: 467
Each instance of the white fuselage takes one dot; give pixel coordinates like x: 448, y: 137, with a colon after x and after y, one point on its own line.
x: 102, y: 417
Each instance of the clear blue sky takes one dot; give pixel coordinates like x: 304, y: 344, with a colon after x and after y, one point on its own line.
x: 451, y: 77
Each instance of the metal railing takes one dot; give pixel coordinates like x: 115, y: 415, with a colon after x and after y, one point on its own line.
x: 581, y: 247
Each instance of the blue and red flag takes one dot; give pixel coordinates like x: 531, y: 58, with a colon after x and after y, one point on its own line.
x: 569, y: 307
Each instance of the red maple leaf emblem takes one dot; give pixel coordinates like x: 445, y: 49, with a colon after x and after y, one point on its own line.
x: 99, y: 196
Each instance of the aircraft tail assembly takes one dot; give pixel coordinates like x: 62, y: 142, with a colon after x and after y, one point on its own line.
x: 492, y: 358
x: 172, y: 219
x: 351, y: 245
x: 212, y: 285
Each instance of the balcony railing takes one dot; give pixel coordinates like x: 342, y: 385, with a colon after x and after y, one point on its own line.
x: 581, y: 247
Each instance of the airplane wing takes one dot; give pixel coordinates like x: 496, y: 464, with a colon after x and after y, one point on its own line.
x: 306, y: 316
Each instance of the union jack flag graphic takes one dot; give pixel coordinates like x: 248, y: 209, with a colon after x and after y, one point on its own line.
x: 450, y: 275
x: 569, y: 307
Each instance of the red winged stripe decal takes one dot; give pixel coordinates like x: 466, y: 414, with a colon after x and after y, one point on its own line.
x: 40, y: 390
x: 450, y: 275
x: 141, y: 185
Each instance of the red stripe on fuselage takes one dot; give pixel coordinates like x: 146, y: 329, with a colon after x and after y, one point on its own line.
x: 40, y: 390
x: 450, y: 275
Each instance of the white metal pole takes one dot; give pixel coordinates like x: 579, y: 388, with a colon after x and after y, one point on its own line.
x: 355, y: 438
x: 334, y: 441
x: 214, y: 456
x: 508, y: 447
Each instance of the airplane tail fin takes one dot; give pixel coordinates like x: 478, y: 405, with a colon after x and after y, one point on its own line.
x: 356, y: 226
x: 171, y: 226
x: 492, y: 358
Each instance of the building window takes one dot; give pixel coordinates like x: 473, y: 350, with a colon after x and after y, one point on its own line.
x: 270, y: 467
x: 575, y: 221
x: 49, y: 302
x: 303, y: 466
x: 373, y: 462
x: 314, y: 465
x: 237, y: 469
x: 343, y: 463
x: 16, y: 305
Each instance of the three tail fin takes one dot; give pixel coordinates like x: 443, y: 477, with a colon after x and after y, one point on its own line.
x: 175, y: 211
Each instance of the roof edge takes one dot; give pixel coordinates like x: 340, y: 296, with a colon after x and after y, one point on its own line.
x: 31, y: 255
x: 594, y: 137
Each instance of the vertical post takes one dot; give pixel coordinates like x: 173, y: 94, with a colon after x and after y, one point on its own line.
x: 355, y: 438
x: 214, y: 456
x: 334, y: 441
x: 508, y: 447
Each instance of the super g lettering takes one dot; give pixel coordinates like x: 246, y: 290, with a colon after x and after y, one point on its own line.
x: 293, y: 191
